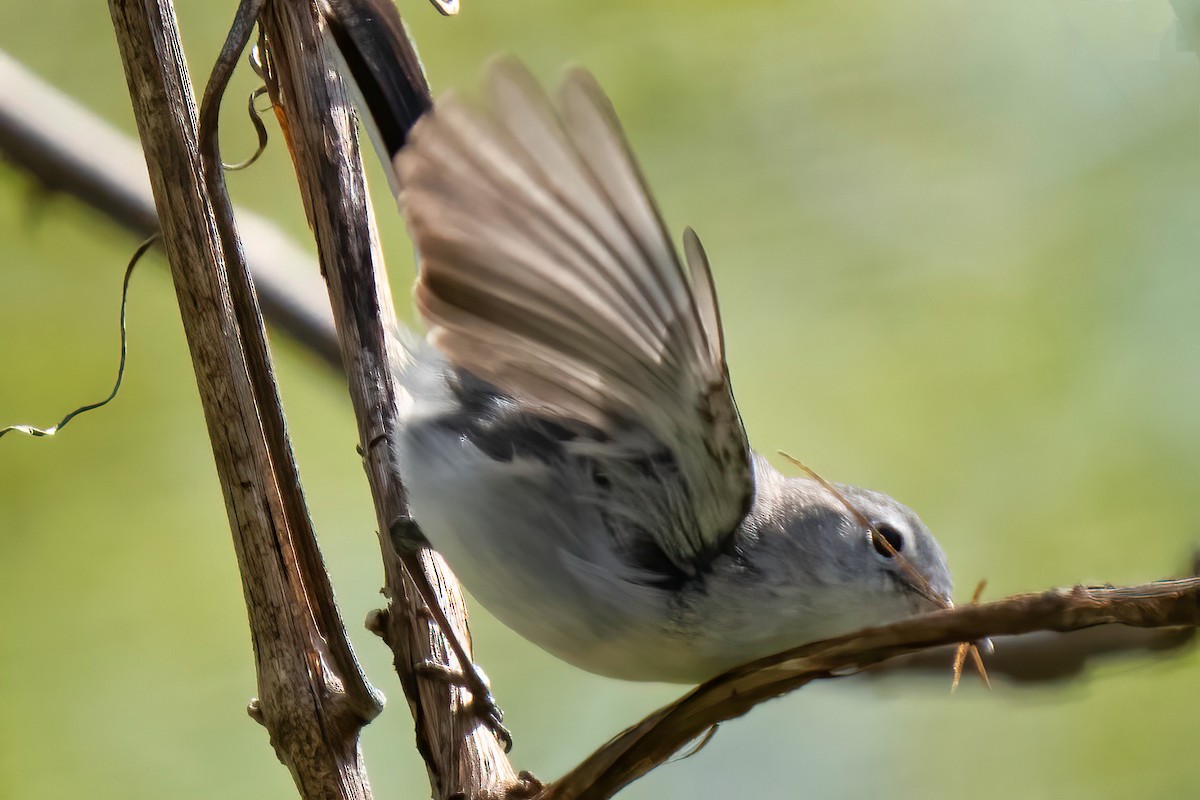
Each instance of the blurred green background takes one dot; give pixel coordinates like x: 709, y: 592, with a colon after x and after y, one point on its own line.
x: 956, y: 247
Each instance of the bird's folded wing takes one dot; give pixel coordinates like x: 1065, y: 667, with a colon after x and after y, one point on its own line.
x: 546, y: 270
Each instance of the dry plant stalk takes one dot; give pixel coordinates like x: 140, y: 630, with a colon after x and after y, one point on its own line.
x: 461, y: 755
x: 313, y: 698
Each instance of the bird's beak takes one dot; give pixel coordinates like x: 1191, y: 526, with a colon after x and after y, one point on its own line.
x: 923, y: 590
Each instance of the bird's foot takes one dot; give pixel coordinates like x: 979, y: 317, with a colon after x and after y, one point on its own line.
x: 406, y: 536
x: 483, y: 704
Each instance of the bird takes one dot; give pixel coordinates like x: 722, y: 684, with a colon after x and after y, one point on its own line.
x: 568, y: 436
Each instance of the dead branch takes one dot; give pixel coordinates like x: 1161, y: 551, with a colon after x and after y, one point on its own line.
x: 655, y: 739
x: 313, y: 698
x: 462, y: 756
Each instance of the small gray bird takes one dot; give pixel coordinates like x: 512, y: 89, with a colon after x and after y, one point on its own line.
x: 568, y: 437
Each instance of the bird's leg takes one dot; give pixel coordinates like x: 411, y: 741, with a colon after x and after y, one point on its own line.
x: 473, y: 679
x: 406, y: 536
x: 408, y: 540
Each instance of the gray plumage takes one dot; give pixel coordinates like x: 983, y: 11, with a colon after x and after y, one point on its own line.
x: 569, y: 439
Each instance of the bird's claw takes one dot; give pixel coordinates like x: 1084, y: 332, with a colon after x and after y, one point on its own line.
x: 406, y: 536
x: 483, y: 704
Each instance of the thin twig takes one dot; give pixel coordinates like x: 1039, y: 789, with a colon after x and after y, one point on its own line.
x: 31, y: 430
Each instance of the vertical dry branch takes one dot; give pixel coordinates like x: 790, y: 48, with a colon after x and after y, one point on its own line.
x: 462, y: 756
x: 313, y: 697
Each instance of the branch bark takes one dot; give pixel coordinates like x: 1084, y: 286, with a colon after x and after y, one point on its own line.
x: 655, y: 739
x: 462, y: 756
x: 313, y: 698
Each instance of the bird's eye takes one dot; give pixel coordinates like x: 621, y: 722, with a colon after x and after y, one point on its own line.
x: 891, y: 536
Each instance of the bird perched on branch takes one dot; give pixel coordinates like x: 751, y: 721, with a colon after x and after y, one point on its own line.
x: 568, y: 438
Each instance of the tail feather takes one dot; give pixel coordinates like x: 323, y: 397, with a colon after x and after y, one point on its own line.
x: 383, y: 70
x: 387, y: 83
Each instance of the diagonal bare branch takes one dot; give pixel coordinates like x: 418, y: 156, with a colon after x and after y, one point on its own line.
x: 655, y: 739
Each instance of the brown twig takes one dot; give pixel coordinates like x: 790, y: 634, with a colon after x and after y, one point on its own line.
x: 644, y: 746
x: 971, y: 649
x: 461, y: 755
x: 313, y: 699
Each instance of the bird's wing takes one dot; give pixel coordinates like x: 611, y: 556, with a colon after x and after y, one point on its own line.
x: 546, y: 270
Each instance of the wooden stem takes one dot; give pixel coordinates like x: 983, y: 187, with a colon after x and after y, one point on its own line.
x: 313, y: 698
